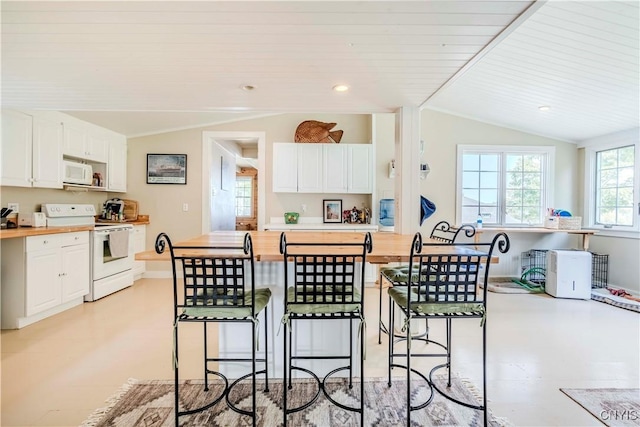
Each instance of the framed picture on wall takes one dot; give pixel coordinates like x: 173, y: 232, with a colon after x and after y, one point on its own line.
x: 166, y: 168
x: 332, y: 210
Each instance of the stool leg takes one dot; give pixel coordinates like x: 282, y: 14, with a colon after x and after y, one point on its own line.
x: 206, y: 376
x: 484, y: 371
x: 390, y: 346
x: 362, y: 344
x: 284, y: 377
x: 449, y: 327
x: 350, y: 353
x: 253, y: 374
x: 266, y: 350
x: 175, y: 375
x: 409, y: 374
x: 380, y: 312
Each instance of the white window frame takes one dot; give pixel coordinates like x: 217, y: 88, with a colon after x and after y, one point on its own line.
x: 549, y: 171
x: 249, y: 178
x: 626, y: 139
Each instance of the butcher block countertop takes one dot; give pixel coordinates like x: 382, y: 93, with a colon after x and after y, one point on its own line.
x: 12, y: 233
x: 387, y: 247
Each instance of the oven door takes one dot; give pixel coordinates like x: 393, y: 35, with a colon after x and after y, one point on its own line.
x: 105, y: 261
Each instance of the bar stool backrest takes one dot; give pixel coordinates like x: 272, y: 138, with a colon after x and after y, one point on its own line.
x: 443, y: 232
x: 451, y: 273
x: 324, y: 272
x: 212, y: 276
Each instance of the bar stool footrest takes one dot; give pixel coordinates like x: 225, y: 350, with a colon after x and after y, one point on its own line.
x: 421, y: 375
x: 447, y: 396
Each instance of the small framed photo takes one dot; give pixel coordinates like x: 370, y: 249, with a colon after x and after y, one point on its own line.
x: 332, y: 210
x: 166, y: 169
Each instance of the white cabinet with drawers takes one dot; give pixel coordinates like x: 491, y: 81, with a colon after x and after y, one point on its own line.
x: 43, y: 275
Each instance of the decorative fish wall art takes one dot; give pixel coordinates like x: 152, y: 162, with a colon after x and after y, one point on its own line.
x: 315, y: 131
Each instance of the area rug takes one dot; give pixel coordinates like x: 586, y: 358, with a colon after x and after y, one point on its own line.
x: 603, y: 295
x: 150, y: 404
x: 611, y: 406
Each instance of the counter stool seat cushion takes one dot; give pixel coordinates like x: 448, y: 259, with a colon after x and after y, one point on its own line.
x: 300, y: 306
x: 401, y: 297
x: 399, y: 274
x: 225, y: 309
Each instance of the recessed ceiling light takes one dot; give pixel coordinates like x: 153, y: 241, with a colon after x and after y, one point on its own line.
x: 247, y: 87
x: 544, y: 108
x: 341, y: 88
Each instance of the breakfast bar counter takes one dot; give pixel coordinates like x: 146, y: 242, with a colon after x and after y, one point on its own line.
x: 387, y: 247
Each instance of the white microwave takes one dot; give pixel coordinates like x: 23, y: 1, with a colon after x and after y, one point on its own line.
x: 77, y: 173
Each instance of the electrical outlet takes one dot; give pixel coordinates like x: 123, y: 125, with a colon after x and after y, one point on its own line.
x: 303, y: 208
x: 185, y: 207
x: 15, y: 207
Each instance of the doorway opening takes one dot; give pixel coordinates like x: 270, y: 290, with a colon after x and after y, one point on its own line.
x: 232, y: 167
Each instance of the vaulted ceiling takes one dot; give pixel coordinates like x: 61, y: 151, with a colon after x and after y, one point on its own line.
x: 145, y: 67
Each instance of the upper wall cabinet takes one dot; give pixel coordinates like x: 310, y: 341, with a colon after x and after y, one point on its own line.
x: 310, y: 176
x: 31, y: 150
x: 285, y: 168
x: 360, y: 168
x: 117, y: 165
x: 84, y: 141
x: 322, y: 168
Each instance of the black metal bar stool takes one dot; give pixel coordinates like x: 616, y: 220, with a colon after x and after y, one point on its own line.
x: 399, y: 275
x: 218, y: 286
x: 326, y: 282
x: 446, y: 287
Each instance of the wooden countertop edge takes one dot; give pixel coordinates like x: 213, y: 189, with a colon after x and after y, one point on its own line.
x: 532, y: 230
x: 13, y: 233
x: 39, y: 231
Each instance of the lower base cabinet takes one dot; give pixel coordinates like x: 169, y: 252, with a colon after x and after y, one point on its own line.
x: 43, y: 275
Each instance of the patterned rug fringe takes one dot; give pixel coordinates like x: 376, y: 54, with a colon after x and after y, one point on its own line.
x: 99, y: 413
x: 222, y: 418
x: 503, y: 422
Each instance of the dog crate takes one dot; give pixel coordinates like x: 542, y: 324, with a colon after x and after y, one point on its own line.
x: 599, y: 270
x: 533, y: 265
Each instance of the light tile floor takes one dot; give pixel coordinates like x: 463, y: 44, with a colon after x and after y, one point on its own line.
x: 57, y: 371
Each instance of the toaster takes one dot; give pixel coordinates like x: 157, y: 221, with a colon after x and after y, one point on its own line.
x: 36, y: 219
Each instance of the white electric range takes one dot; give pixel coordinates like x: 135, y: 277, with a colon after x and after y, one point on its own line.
x: 112, y: 251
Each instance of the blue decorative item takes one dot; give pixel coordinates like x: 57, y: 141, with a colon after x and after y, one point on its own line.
x: 427, y: 208
x: 387, y: 212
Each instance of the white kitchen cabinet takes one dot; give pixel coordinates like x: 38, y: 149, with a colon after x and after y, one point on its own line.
x: 31, y: 150
x: 43, y: 275
x: 335, y: 168
x: 360, y: 168
x: 117, y: 165
x: 85, y: 141
x: 310, y: 168
x: 285, y: 168
x: 322, y: 168
x: 76, y: 266
x: 139, y: 245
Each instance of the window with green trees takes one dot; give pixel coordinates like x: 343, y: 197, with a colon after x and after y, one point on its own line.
x: 505, y: 185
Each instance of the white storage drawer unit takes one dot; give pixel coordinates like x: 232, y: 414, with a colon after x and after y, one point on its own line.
x: 568, y: 274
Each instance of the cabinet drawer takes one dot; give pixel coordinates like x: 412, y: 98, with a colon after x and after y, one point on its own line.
x: 47, y: 241
x: 78, y: 238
